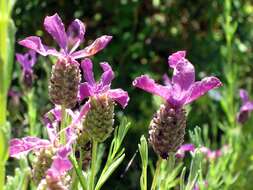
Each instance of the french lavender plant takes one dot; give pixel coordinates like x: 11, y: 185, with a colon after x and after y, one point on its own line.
x: 167, y: 128
x: 69, y: 131
x: 99, y: 108
x: 65, y: 77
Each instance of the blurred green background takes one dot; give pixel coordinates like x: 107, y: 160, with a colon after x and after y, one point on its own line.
x: 145, y: 33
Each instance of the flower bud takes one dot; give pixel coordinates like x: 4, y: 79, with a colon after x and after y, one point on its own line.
x: 64, y: 83
x: 167, y: 130
x: 84, y: 149
x: 41, y: 164
x: 100, y: 118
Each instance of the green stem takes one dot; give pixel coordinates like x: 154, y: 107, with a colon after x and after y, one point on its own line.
x: 157, y: 171
x: 2, y: 175
x: 63, y: 121
x: 145, y: 178
x: 2, y: 109
x: 93, y: 165
x: 78, y: 171
x: 31, y: 113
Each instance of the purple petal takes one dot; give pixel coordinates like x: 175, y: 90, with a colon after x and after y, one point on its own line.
x: 31, y: 55
x: 166, y: 80
x: 108, y: 74
x: 34, y: 43
x: 55, y: 27
x: 183, y: 76
x: 196, y: 187
x: 201, y: 87
x: 119, y: 96
x: 247, y: 107
x: 84, y: 110
x: 205, y: 150
x: 212, y: 155
x: 187, y: 147
x: 63, y: 152
x: 92, y: 49
x: 184, y: 148
x: 175, y: 57
x: 244, y: 96
x: 87, y: 67
x: 59, y: 166
x: 149, y: 85
x: 85, y: 90
x: 51, y: 120
x: 71, y: 137
x: 23, y: 146
x: 23, y: 62
x: 75, y: 34
x: 244, y: 112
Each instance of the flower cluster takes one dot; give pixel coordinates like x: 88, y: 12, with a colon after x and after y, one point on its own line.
x: 93, y: 121
x: 51, y: 165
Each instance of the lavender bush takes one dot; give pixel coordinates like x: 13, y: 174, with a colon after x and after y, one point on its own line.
x: 72, y: 135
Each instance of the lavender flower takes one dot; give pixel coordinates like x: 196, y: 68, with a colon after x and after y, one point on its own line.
x: 246, y: 108
x: 183, y: 149
x: 91, y: 88
x: 182, y: 89
x: 68, y: 41
x: 100, y: 106
x: 27, y: 62
x: 167, y: 128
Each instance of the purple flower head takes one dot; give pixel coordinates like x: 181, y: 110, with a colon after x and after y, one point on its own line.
x: 183, y: 149
x: 27, y: 61
x: 68, y: 41
x: 103, y: 86
x: 246, y: 108
x: 182, y: 89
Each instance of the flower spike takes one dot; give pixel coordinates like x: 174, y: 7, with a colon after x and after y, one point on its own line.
x: 167, y: 128
x: 100, y: 106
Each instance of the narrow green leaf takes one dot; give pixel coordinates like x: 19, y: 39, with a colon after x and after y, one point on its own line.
x: 182, y: 179
x: 143, y: 149
x: 108, y: 172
